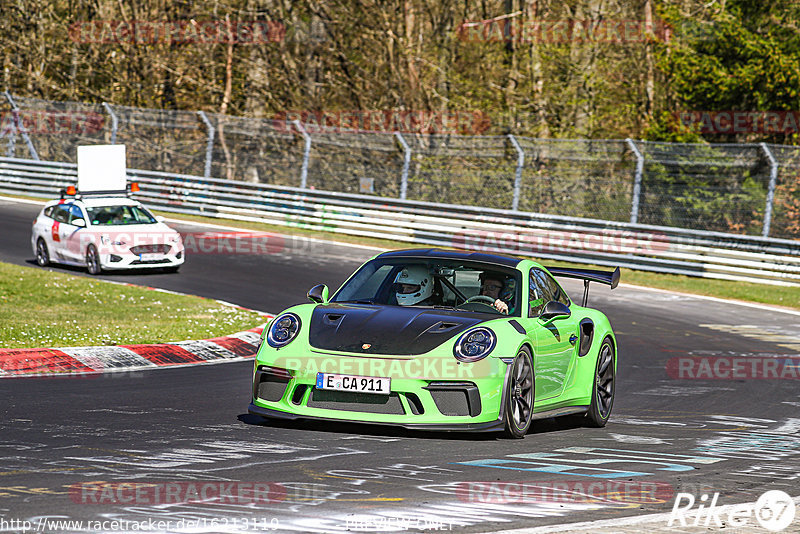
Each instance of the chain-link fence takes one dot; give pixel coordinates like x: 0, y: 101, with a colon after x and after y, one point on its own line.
x: 751, y: 189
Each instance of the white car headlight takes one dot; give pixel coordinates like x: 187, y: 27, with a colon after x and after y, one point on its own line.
x: 474, y: 345
x: 283, y: 330
x: 104, y: 239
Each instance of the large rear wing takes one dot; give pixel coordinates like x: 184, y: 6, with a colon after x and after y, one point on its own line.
x: 610, y: 278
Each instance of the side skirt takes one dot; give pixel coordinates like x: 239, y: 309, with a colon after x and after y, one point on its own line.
x: 558, y: 412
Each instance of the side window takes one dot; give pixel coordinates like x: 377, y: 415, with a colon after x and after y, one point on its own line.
x: 61, y: 213
x: 48, y: 212
x: 543, y: 289
x: 556, y: 292
x: 539, y: 293
x: 75, y: 213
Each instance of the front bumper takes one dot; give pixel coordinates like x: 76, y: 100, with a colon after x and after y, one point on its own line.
x: 468, y: 397
x: 122, y: 260
x: 491, y: 426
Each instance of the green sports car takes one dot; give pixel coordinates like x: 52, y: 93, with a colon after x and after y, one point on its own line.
x: 441, y: 340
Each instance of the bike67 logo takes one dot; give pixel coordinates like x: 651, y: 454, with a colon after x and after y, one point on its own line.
x: 774, y: 511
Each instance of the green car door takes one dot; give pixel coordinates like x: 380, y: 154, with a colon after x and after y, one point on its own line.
x: 554, y: 339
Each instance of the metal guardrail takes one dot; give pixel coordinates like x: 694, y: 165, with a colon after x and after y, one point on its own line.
x: 636, y: 246
x: 748, y: 189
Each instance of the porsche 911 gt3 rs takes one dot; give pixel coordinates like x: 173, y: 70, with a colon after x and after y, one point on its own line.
x: 441, y: 340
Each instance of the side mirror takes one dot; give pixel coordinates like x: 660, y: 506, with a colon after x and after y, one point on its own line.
x: 78, y: 222
x: 555, y: 310
x: 318, y: 294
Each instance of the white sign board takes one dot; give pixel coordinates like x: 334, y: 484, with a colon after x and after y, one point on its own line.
x: 101, y: 168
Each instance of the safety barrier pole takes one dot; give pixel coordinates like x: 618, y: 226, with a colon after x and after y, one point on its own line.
x: 406, y: 163
x: 637, y: 181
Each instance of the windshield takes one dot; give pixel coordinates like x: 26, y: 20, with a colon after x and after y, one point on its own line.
x: 119, y: 215
x: 456, y: 284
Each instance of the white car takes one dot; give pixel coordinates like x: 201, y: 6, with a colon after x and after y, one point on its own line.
x: 105, y: 233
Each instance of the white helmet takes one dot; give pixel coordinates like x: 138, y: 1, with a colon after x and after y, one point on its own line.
x: 417, y: 285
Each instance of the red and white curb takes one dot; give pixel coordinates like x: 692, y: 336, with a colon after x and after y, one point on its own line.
x: 93, y: 360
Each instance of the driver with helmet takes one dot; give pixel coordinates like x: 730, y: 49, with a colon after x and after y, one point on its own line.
x: 414, y: 286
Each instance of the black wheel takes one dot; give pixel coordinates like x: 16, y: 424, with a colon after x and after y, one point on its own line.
x: 42, y: 254
x: 603, y: 390
x: 519, y: 399
x: 92, y: 260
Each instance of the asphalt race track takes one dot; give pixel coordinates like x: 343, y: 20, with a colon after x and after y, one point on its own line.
x: 687, y: 418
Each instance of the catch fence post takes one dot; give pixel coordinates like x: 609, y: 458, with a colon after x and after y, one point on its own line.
x: 518, y: 173
x: 114, y: 122
x: 21, y: 127
x: 406, y: 163
x: 637, y: 181
x: 773, y: 179
x: 306, y: 153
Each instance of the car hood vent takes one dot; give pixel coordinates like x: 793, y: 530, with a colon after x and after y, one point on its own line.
x: 396, y: 330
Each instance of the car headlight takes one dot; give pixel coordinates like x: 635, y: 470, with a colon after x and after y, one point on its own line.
x: 283, y: 330
x: 474, y: 345
x: 104, y: 239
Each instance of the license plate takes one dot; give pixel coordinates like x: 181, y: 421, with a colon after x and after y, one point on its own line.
x: 150, y: 257
x: 356, y: 384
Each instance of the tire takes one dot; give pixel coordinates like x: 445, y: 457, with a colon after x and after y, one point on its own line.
x: 93, y: 260
x: 42, y: 254
x: 520, y: 395
x: 603, y: 386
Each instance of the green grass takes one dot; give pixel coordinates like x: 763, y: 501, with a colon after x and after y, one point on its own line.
x: 762, y: 293
x: 40, y: 308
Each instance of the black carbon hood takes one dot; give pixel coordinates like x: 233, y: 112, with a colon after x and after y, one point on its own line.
x: 387, y: 329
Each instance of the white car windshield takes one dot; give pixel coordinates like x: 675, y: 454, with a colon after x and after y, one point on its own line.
x: 119, y: 215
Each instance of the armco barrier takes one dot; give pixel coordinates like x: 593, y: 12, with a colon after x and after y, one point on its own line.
x: 580, y: 240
